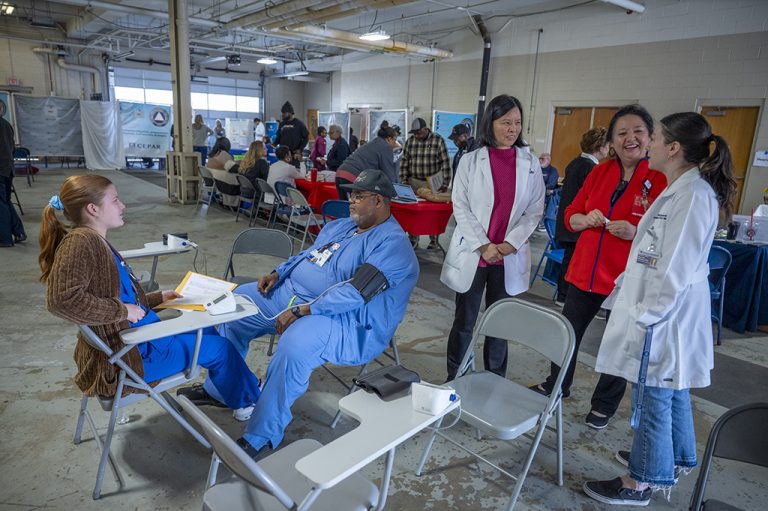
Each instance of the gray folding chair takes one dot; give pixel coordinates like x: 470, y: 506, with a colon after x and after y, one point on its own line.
x: 501, y: 408
x: 247, y: 194
x: 128, y: 378
x: 301, y: 218
x: 738, y: 435
x: 207, y: 186
x: 265, y: 191
x: 272, y: 483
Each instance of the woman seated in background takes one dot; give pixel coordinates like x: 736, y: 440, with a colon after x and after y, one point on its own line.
x: 254, y: 164
x: 90, y: 283
x: 219, y: 155
x: 319, y: 149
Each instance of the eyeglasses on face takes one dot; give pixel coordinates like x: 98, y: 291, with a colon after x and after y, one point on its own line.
x: 357, y: 197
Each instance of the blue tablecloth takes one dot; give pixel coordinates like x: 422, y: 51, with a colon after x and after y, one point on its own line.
x: 746, y: 287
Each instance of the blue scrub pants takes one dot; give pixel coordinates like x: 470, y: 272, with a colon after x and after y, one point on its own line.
x: 238, y: 386
x: 307, y: 344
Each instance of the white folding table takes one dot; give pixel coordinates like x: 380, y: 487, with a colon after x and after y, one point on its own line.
x: 154, y: 249
x: 383, y: 426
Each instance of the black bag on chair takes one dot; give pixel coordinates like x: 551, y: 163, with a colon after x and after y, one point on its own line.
x: 388, y: 382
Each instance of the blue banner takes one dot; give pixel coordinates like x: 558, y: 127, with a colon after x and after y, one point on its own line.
x: 146, y: 129
x: 271, y: 129
x: 443, y: 123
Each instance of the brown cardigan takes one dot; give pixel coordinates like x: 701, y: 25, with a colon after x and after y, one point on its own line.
x: 84, y: 287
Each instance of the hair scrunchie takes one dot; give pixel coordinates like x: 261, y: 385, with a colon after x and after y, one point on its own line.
x: 55, y: 203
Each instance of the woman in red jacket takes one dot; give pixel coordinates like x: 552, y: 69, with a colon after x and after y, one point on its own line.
x: 606, y: 211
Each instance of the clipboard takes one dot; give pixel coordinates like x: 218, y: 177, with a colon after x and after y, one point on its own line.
x: 195, y: 289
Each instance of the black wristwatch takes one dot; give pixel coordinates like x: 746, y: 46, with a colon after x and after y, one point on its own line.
x: 296, y: 312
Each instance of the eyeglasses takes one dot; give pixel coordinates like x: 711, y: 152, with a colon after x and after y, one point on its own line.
x: 357, y: 197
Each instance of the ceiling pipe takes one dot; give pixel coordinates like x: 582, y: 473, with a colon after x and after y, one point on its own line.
x: 341, y: 37
x: 480, y: 24
x: 95, y: 72
x: 283, y: 10
x: 343, y: 9
x: 134, y: 10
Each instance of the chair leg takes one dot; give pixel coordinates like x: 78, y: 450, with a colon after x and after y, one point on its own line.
x: 271, y: 345
x: 350, y: 390
x: 105, y: 449
x: 538, y: 267
x: 81, y: 419
x: 559, y: 423
x: 720, y: 317
x: 213, y: 471
x: 395, y: 352
x: 527, y: 465
x: 425, y: 454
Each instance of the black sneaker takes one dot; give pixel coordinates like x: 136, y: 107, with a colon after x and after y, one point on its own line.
x: 542, y: 389
x: 247, y: 447
x: 199, y: 396
x: 595, y: 422
x: 612, y: 492
x: 623, y: 458
x: 20, y: 239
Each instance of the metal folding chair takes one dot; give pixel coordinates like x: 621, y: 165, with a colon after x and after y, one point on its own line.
x: 207, y: 185
x: 334, y: 209
x: 719, y: 262
x: 301, y: 219
x: 551, y: 252
x: 501, y: 408
x: 738, y: 435
x: 272, y: 483
x: 128, y: 378
x: 247, y: 194
x: 22, y: 153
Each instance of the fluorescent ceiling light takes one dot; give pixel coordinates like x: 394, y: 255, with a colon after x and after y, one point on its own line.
x: 6, y: 8
x: 629, y: 5
x: 378, y: 35
x: 294, y: 73
x: 266, y: 61
x: 213, y: 59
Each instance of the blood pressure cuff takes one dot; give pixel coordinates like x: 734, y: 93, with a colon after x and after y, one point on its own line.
x: 388, y: 382
x: 369, y: 281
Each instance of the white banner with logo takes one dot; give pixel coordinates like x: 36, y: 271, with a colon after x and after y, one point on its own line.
x: 146, y: 129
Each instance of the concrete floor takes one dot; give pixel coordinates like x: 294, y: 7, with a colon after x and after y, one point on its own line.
x: 166, y: 469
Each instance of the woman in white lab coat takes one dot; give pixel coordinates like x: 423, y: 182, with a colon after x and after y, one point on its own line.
x: 498, y: 200
x: 659, y: 336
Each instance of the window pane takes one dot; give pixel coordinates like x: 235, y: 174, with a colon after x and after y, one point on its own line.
x: 222, y: 101
x: 247, y: 104
x: 133, y: 94
x: 159, y: 97
x: 199, y: 101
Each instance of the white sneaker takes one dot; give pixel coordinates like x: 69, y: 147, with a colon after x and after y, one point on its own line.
x: 243, y: 414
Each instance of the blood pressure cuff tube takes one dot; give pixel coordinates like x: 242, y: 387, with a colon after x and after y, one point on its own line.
x: 369, y: 281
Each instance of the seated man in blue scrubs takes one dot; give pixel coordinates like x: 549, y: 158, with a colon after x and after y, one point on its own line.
x: 339, y: 301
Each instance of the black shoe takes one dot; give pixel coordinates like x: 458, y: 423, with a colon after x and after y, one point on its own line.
x: 623, y: 458
x: 20, y: 239
x: 612, y: 492
x: 247, y: 447
x: 433, y: 245
x: 199, y: 396
x: 595, y: 422
x: 542, y: 389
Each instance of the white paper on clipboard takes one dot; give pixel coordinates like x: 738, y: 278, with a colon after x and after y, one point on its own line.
x: 195, y: 290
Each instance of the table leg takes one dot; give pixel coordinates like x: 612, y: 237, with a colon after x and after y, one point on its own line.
x: 190, y: 373
x: 384, y: 488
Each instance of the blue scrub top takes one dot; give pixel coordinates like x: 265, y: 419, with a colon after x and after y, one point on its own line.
x: 128, y: 294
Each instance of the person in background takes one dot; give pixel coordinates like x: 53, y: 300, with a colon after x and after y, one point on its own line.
x: 339, y: 150
x: 218, y: 130
x: 271, y: 156
x: 498, y: 199
x: 292, y: 132
x: 219, y: 157
x: 282, y: 171
x: 462, y: 138
x: 200, y: 134
x: 11, y: 227
x: 659, y: 336
x: 362, y: 143
x: 548, y: 172
x: 353, y: 141
x: 376, y: 155
x: 259, y: 130
x: 254, y: 164
x: 317, y: 156
x: 90, y: 283
x: 606, y: 211
x: 594, y: 147
x: 424, y: 155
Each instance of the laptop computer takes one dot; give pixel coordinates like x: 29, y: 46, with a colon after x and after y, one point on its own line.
x: 404, y: 194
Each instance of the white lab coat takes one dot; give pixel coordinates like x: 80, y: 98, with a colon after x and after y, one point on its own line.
x: 673, y: 298
x: 472, y: 197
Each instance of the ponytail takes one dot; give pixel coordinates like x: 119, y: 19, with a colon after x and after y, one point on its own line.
x: 52, y: 231
x: 717, y: 170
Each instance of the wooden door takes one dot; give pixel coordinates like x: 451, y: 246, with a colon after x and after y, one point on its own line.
x: 570, y: 125
x: 737, y: 126
x: 603, y: 115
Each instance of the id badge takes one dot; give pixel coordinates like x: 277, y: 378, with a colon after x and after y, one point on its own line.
x: 320, y: 257
x: 648, y: 257
x: 640, y: 204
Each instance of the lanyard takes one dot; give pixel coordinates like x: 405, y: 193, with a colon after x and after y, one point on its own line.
x: 134, y: 281
x: 622, y: 186
x: 637, y: 411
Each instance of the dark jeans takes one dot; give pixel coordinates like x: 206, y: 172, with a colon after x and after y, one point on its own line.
x: 580, y: 309
x: 562, y: 284
x: 10, y: 223
x: 490, y: 279
x: 343, y: 194
x: 203, y: 150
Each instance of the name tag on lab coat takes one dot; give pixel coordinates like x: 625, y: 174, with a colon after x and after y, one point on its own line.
x: 648, y: 257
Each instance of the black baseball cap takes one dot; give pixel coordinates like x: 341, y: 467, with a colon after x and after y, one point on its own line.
x: 458, y: 130
x: 417, y: 124
x: 372, y: 180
